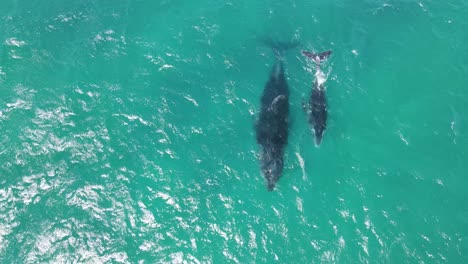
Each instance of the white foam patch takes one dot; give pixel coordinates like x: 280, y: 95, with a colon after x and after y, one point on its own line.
x: 302, y: 165
x: 190, y: 99
x: 148, y: 218
x: 365, y: 245
x: 14, y: 56
x: 165, y: 67
x: 146, y: 246
x: 341, y: 242
x: 299, y: 204
x: 403, y: 138
x: 133, y: 118
x: 320, y: 77
x: 252, y: 239
x: 440, y: 182
x: 422, y: 7
x: 15, y: 42
x: 19, y: 104
x: 193, y: 243
x: 169, y: 200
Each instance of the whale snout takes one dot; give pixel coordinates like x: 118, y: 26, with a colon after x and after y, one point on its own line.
x: 318, y: 140
x: 271, y: 186
x: 318, y: 135
x: 271, y: 176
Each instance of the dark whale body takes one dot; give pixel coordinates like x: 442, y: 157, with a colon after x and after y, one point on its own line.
x: 318, y: 112
x: 317, y: 107
x: 272, y: 125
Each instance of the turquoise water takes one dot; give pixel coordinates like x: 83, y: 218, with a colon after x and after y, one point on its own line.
x: 128, y: 133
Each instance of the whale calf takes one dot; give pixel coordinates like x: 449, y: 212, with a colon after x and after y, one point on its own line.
x: 316, y: 109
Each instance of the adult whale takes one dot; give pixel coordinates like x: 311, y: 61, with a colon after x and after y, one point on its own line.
x: 317, y: 107
x: 273, y: 122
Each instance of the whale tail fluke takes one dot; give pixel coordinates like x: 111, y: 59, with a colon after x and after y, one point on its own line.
x: 280, y: 47
x: 317, y: 57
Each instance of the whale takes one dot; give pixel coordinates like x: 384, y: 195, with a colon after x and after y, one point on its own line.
x: 272, y: 124
x: 316, y: 108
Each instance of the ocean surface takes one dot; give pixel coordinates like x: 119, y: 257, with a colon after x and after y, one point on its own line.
x: 127, y: 132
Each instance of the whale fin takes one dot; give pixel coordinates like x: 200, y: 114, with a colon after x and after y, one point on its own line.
x: 317, y: 57
x: 274, y: 104
x: 280, y: 47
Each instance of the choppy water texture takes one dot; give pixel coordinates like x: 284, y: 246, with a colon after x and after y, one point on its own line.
x: 127, y: 132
